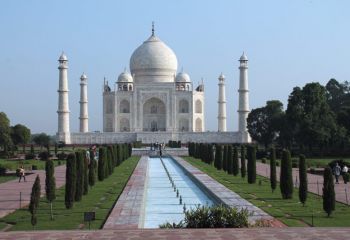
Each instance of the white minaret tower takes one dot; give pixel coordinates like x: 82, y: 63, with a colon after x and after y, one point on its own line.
x: 63, y: 133
x: 222, y: 105
x: 243, y: 109
x: 84, y: 116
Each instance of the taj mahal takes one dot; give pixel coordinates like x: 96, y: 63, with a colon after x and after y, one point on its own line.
x: 152, y: 103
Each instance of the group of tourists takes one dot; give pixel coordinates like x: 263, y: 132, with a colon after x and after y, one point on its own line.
x: 158, y: 147
x: 337, y: 171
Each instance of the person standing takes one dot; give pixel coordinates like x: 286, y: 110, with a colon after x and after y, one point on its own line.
x: 22, y: 174
x: 336, y: 171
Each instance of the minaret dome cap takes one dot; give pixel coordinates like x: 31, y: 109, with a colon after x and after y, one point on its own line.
x: 243, y: 57
x: 63, y: 57
x: 83, y: 76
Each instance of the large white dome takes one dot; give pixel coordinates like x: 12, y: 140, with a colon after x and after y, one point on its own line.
x: 153, y: 61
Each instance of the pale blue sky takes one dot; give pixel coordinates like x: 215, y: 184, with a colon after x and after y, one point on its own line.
x: 288, y: 43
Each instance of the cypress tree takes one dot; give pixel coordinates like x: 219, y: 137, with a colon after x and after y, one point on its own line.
x: 115, y: 151
x: 197, y: 155
x: 303, y: 179
x: 229, y: 160
x: 224, y: 159
x: 251, y: 165
x: 235, y: 164
x: 50, y: 184
x: 101, y: 164
x: 118, y: 155
x: 86, y: 175
x: 110, y: 160
x: 80, y: 176
x: 70, y: 181
x: 129, y: 150
x: 243, y: 165
x: 34, y: 200
x: 92, y: 169
x: 286, y: 178
x: 211, y: 153
x: 328, y: 191
x: 273, y: 175
x: 218, y: 157
x: 190, y: 149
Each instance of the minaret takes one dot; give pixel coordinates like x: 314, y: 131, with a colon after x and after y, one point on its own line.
x: 222, y: 105
x: 84, y: 116
x: 63, y: 133
x: 243, y: 109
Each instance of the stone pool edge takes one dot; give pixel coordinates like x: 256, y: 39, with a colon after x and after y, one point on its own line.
x: 222, y: 193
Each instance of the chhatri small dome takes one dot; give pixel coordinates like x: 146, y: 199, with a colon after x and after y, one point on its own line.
x: 243, y: 57
x: 125, y: 77
x: 153, y: 61
x: 182, y: 77
x: 63, y: 57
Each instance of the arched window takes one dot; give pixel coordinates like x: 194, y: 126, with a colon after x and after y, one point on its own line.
x: 198, y: 125
x: 199, y: 106
x: 124, y: 106
x: 183, y: 106
x: 125, y: 88
x: 130, y: 87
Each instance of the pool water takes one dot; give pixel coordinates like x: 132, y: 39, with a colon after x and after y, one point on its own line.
x: 161, y: 203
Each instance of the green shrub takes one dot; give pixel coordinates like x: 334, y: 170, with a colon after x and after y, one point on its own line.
x: 34, y: 167
x: 29, y: 156
x: 218, y: 216
x: 263, y: 160
x: 3, y: 170
x: 62, y: 155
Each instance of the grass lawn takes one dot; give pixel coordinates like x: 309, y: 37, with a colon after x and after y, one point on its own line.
x: 6, y: 178
x: 15, y: 164
x: 291, y: 212
x: 100, y: 199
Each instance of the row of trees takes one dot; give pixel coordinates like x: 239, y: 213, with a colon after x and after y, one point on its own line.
x: 225, y: 157
x: 316, y: 118
x: 82, y: 169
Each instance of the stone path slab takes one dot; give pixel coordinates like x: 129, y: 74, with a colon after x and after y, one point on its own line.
x: 315, y: 182
x: 14, y: 194
x: 188, y: 234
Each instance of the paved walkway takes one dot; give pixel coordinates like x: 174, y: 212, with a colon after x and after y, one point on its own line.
x: 127, y: 211
x: 315, y: 182
x: 14, y: 195
x: 189, y: 234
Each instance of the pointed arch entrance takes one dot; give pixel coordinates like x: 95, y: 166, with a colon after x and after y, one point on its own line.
x: 154, y: 115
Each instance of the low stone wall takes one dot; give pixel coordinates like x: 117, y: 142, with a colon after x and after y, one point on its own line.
x: 161, y: 137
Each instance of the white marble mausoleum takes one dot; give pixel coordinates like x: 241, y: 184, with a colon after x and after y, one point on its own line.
x: 152, y: 103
